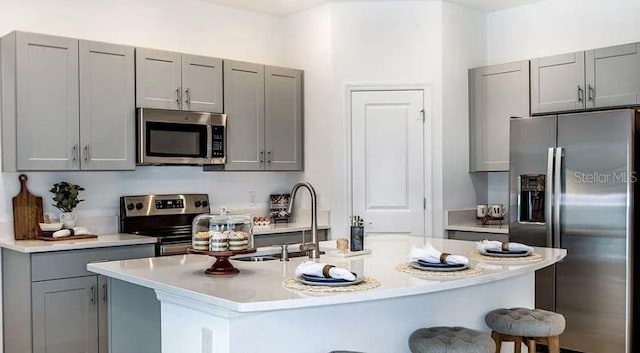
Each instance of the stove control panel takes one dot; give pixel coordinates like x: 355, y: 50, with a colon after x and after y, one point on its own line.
x: 153, y: 205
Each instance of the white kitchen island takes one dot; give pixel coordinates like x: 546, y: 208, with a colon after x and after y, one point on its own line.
x: 253, y: 312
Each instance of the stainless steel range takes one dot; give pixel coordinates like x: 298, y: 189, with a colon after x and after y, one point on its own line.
x: 166, y: 217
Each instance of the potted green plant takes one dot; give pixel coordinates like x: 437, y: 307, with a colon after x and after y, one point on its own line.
x: 65, y: 198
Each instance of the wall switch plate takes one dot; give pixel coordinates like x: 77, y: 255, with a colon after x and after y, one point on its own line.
x: 207, y: 340
x: 252, y: 198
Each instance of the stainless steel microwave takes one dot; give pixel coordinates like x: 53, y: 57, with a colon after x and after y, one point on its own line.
x: 179, y: 137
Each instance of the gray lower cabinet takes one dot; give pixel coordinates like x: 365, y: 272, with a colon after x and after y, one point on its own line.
x: 52, y: 304
x: 264, y: 105
x: 175, y: 81
x: 65, y: 315
x: 67, y: 104
x: 496, y: 93
x: 613, y: 76
x: 557, y: 83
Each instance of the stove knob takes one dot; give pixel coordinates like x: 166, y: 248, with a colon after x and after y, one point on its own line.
x: 130, y: 207
x: 205, y: 203
x: 198, y: 203
x: 139, y: 206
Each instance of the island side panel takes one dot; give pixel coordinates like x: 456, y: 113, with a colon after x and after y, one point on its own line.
x: 134, y: 318
x: 378, y: 326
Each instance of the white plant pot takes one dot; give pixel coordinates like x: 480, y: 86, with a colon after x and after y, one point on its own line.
x: 68, y: 219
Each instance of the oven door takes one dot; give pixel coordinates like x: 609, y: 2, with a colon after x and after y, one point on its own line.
x: 173, y: 137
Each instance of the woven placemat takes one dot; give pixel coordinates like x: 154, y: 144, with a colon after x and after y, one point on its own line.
x: 368, y: 283
x: 469, y: 272
x: 476, y: 255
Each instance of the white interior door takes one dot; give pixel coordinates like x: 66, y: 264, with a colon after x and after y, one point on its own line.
x: 387, y: 164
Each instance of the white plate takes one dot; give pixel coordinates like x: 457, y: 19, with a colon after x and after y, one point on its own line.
x: 50, y: 227
x: 495, y: 254
x: 331, y: 284
x: 417, y: 266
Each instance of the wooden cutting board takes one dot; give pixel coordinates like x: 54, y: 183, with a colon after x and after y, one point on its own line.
x: 27, y: 213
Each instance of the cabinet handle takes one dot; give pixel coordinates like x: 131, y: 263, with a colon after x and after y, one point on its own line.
x: 86, y: 153
x: 269, y: 157
x: 74, y: 152
x: 188, y: 96
x: 590, y: 93
x: 104, y: 292
x: 261, y: 156
x: 93, y: 294
x: 178, y: 96
x: 579, y: 93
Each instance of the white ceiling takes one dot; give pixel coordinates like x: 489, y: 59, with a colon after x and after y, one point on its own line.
x: 287, y: 7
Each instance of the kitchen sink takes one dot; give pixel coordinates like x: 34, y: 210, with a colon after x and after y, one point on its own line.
x: 295, y: 254
x: 261, y: 258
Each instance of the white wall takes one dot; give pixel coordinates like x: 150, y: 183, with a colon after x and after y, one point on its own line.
x: 463, y: 47
x: 190, y: 26
x: 378, y: 43
x: 555, y: 27
x: 358, y: 43
x: 308, y: 47
x: 560, y: 26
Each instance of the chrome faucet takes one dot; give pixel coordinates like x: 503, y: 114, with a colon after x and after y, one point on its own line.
x: 313, y: 248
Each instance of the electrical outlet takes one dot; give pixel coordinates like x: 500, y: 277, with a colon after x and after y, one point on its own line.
x: 207, y: 340
x: 252, y: 198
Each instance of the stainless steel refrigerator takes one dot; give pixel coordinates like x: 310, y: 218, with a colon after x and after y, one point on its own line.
x: 571, y: 186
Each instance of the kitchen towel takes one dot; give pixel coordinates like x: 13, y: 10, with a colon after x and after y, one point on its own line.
x: 67, y: 232
x: 431, y: 255
x: 498, y: 245
x: 311, y: 268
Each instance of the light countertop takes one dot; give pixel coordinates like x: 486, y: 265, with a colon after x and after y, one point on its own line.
x: 102, y: 241
x: 465, y: 220
x: 259, y: 285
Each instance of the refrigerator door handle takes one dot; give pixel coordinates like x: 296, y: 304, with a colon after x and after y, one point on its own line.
x: 557, y: 194
x: 548, y: 207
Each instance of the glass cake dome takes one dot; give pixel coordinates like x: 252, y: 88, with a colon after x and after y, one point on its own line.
x: 222, y: 232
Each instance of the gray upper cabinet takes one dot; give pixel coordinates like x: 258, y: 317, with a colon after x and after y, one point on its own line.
x: 67, y: 104
x: 169, y: 80
x: 65, y: 315
x: 613, y: 76
x: 107, y: 106
x: 202, y: 84
x: 496, y: 93
x: 244, y: 105
x: 158, y: 79
x: 47, y: 102
x: 283, y: 118
x: 264, y: 117
x: 557, y: 83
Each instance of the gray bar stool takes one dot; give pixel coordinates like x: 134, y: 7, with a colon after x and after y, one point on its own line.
x: 529, y: 326
x: 450, y: 340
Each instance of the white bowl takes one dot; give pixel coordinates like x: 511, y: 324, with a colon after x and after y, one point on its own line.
x: 50, y: 227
